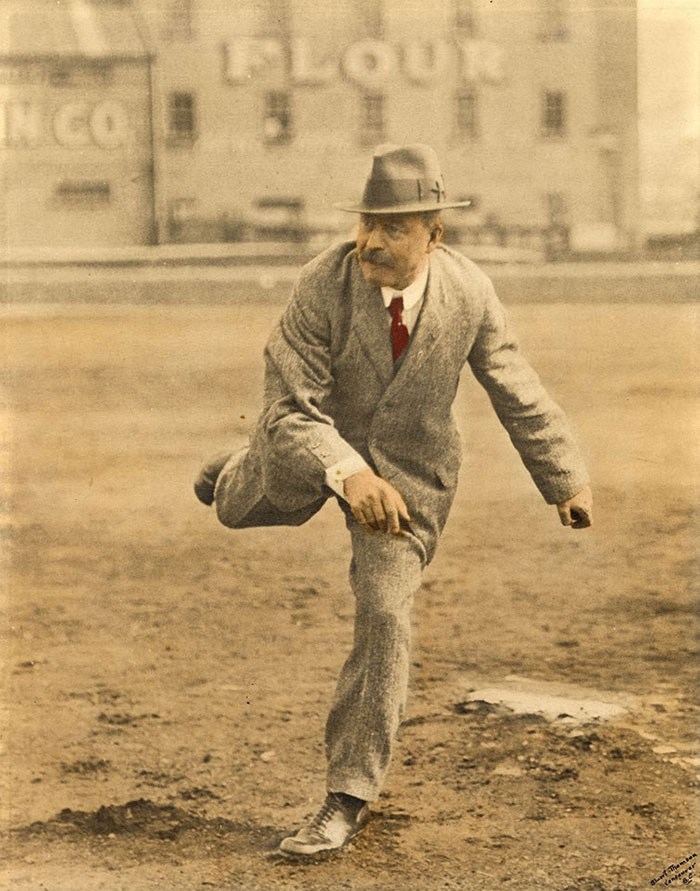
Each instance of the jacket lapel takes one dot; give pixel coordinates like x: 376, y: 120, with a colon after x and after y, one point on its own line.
x: 370, y: 322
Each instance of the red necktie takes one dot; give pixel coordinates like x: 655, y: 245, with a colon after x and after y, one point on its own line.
x: 399, y: 332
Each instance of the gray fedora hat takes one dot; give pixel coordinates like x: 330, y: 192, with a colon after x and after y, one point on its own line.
x: 404, y: 179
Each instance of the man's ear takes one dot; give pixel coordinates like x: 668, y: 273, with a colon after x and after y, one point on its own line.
x: 436, y: 233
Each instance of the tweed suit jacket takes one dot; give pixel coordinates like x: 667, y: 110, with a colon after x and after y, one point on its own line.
x: 331, y: 391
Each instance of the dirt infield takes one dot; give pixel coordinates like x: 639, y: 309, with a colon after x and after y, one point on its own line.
x: 166, y: 680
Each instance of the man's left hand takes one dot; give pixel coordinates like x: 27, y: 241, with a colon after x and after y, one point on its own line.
x: 577, y: 512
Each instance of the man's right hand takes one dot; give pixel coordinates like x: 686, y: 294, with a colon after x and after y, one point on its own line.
x: 374, y: 503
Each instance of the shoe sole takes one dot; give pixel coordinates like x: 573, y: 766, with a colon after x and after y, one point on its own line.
x: 326, y: 852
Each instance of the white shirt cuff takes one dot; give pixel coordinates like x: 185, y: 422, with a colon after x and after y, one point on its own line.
x: 336, y: 474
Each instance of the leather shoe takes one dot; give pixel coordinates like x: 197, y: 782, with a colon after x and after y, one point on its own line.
x: 205, y: 483
x: 330, y: 830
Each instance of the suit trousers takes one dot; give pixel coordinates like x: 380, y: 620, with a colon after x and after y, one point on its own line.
x: 370, y: 697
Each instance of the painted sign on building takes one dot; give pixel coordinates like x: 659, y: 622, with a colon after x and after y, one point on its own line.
x: 368, y: 63
x: 24, y: 124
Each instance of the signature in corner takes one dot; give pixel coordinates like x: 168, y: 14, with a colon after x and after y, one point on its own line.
x: 681, y: 872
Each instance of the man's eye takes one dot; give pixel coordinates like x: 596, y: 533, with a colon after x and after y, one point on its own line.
x: 394, y: 231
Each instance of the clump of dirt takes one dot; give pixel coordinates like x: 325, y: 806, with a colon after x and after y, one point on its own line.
x: 141, y: 817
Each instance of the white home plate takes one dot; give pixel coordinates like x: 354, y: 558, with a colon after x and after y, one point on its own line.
x: 552, y: 700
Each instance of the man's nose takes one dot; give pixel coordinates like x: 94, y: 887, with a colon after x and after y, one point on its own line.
x: 373, y: 238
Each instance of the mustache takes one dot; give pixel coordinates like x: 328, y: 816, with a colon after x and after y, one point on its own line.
x: 378, y: 257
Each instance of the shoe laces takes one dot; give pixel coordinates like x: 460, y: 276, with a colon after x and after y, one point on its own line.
x: 329, y: 807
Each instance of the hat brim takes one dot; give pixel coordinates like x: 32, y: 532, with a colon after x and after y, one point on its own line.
x: 413, y: 207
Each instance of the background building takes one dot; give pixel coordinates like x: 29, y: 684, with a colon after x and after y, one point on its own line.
x: 75, y: 125
x: 192, y: 119
x: 669, y: 117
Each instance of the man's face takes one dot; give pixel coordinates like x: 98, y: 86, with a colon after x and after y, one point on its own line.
x: 393, y: 248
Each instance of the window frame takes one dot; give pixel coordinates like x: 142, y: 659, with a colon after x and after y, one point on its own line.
x: 83, y: 194
x: 373, y: 118
x: 179, y: 112
x: 466, y: 126
x: 278, y: 107
x: 554, y: 114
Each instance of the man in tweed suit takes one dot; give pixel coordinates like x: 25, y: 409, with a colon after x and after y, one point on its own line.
x: 360, y: 376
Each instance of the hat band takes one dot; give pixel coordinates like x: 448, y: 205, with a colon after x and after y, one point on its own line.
x: 392, y: 192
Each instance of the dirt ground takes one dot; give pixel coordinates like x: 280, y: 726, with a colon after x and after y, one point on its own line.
x: 166, y: 680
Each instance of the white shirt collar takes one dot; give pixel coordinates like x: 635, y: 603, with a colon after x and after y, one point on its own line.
x: 412, y: 293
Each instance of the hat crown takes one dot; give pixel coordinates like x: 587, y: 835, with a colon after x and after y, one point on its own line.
x: 404, y: 174
x: 405, y: 162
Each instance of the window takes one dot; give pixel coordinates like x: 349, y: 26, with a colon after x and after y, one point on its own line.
x: 466, y: 115
x: 554, y: 20
x: 182, y: 118
x: 178, y: 16
x: 372, y: 123
x: 279, y: 218
x: 277, y: 126
x: 553, y: 114
x: 465, y: 18
x: 83, y: 193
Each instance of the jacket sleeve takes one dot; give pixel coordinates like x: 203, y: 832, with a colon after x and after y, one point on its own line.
x: 536, y: 425
x: 300, y: 438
